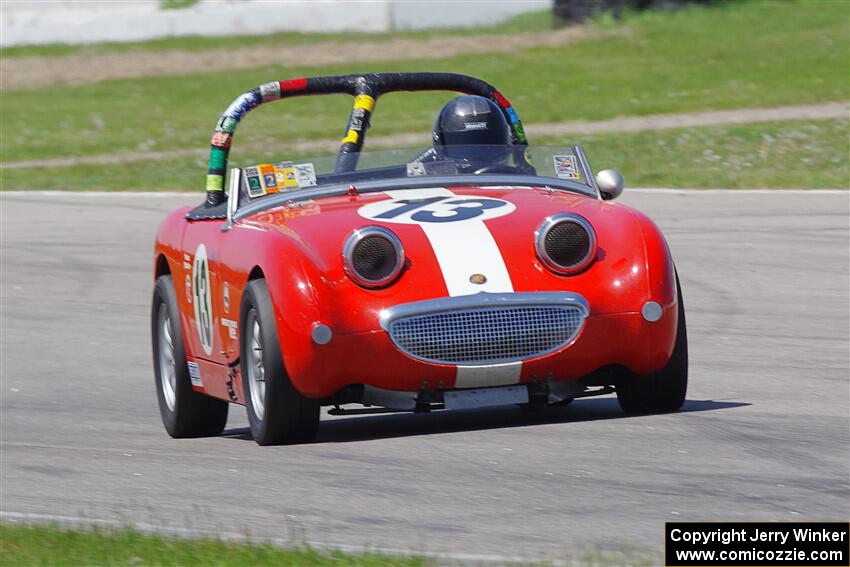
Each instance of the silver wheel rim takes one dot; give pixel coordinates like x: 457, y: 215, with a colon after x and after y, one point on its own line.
x: 256, y: 370
x: 167, y: 369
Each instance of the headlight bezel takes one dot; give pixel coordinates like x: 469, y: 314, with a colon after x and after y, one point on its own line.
x: 349, y: 248
x: 546, y: 259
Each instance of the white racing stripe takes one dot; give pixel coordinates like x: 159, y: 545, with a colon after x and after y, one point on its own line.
x: 467, y: 248
x: 463, y: 249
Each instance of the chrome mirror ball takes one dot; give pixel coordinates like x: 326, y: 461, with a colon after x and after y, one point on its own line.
x: 610, y: 183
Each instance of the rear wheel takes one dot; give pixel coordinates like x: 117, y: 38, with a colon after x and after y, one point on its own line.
x: 663, y: 390
x: 277, y: 412
x: 184, y: 412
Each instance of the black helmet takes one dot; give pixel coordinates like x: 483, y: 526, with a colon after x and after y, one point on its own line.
x: 469, y: 120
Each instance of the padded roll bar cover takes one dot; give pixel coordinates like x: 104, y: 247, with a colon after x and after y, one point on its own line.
x: 371, y: 85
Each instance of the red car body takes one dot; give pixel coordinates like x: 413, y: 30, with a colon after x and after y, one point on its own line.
x: 333, y: 332
x: 298, y: 251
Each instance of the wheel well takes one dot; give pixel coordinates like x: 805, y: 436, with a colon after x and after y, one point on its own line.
x: 256, y: 274
x: 161, y: 266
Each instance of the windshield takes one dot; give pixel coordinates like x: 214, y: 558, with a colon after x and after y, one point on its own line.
x: 463, y: 162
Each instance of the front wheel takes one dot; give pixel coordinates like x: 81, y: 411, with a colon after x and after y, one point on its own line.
x: 663, y: 390
x: 185, y: 412
x: 277, y: 412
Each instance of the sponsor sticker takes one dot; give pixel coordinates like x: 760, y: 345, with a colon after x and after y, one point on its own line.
x: 415, y: 169
x: 231, y: 327
x: 285, y: 172
x: 305, y: 174
x: 475, y: 126
x: 566, y: 167
x: 268, y: 178
x: 195, y: 374
x: 251, y: 179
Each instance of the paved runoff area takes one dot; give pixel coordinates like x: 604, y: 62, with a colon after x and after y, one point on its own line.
x: 763, y: 436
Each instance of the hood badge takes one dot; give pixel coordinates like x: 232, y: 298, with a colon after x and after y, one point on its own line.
x: 478, y: 279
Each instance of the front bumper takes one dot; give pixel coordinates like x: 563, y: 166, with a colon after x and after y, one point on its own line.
x: 372, y: 358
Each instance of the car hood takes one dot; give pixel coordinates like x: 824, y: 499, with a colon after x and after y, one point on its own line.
x: 451, y: 234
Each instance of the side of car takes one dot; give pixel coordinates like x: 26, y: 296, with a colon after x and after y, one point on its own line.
x: 214, y: 321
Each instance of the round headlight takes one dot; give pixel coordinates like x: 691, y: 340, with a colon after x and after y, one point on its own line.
x: 566, y: 243
x: 373, y: 256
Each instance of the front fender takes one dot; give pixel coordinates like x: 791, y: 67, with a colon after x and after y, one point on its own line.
x: 295, y: 286
x: 662, y: 288
x: 168, y: 240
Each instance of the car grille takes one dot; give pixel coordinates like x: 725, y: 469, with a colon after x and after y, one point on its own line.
x: 487, y: 335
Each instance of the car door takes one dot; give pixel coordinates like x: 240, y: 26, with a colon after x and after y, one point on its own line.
x: 202, y: 291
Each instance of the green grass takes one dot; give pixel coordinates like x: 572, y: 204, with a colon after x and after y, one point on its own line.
x: 749, y: 54
x: 722, y: 56
x: 800, y: 154
x: 793, y: 154
x: 176, y: 4
x: 55, y: 546
x: 530, y: 22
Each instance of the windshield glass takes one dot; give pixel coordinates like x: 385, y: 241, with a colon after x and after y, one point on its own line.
x: 464, y: 162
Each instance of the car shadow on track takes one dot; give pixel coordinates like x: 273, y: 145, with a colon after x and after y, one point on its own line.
x: 385, y: 426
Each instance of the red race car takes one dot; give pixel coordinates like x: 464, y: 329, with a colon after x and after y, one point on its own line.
x: 476, y: 271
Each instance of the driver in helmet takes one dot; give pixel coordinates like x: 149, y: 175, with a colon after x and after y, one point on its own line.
x: 472, y: 134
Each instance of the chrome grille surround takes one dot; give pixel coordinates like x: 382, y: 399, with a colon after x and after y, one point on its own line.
x: 486, y: 328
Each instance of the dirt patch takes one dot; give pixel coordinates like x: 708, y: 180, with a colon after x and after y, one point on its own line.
x: 36, y: 72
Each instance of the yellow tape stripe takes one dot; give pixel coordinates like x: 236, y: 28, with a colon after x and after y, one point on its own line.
x: 215, y: 183
x: 350, y: 137
x: 365, y: 102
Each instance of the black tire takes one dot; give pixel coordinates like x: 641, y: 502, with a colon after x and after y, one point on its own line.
x: 664, y: 390
x: 186, y: 413
x: 285, y: 415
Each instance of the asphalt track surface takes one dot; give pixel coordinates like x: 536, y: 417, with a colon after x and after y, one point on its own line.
x: 763, y: 435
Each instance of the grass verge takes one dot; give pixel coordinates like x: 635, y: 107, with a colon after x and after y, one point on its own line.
x: 729, y: 55
x: 794, y: 154
x: 804, y: 154
x: 56, y: 546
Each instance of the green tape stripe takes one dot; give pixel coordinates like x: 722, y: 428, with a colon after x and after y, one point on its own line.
x: 519, y: 130
x: 218, y: 158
